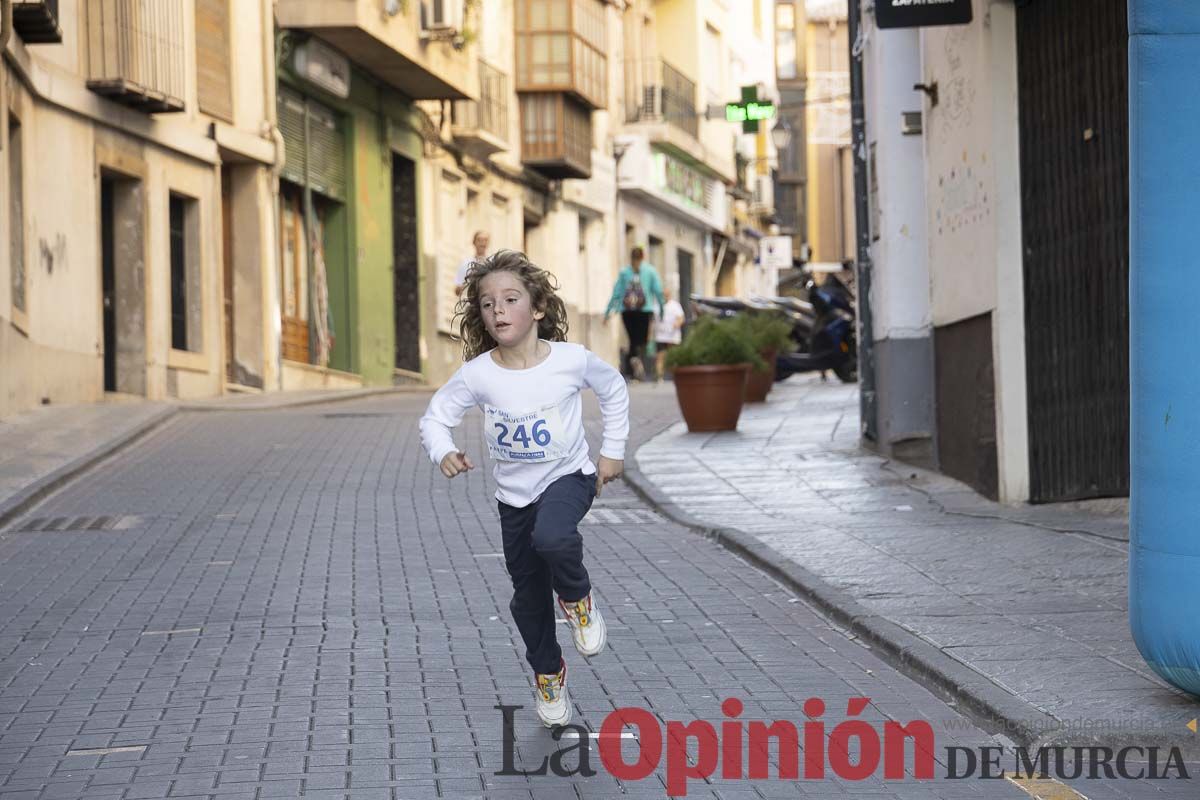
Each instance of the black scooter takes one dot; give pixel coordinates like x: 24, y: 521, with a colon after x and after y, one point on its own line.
x: 831, y: 343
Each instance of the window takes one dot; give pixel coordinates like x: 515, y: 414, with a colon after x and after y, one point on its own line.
x: 556, y: 135
x: 714, y: 79
x: 655, y: 253
x: 178, y: 276
x: 185, y: 273
x: 16, y: 216
x: 561, y: 45
x: 785, y: 42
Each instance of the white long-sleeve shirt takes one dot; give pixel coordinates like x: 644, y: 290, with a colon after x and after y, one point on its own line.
x: 533, y: 418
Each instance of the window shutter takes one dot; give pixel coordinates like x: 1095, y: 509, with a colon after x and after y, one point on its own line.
x: 326, y: 150
x: 212, y: 58
x: 291, y: 125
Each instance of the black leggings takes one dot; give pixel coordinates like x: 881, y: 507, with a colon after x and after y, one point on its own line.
x: 637, y: 326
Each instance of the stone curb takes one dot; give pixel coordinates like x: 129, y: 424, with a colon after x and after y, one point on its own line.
x: 994, y: 708
x: 37, y: 490
x: 276, y: 405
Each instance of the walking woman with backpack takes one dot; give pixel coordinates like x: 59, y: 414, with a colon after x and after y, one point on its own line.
x: 637, y: 294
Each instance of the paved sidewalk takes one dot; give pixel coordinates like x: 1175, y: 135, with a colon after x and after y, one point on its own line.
x: 1021, y: 612
x: 43, y: 445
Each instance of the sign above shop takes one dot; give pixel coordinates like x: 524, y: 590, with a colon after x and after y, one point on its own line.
x: 921, y: 13
x: 739, y: 112
x: 775, y: 252
x: 323, y: 66
x: 750, y: 111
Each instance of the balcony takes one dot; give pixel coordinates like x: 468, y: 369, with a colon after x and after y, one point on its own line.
x: 482, y: 127
x: 556, y: 135
x: 660, y: 103
x: 36, y: 21
x: 561, y: 46
x: 657, y: 92
x: 417, y: 50
x: 136, y: 52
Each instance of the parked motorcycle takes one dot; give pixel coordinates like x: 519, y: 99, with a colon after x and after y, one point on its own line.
x: 823, y: 328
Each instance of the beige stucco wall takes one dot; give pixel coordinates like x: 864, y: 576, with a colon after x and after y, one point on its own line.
x: 447, y: 224
x: 71, y: 132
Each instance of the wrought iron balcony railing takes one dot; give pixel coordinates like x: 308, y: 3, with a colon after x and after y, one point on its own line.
x: 657, y: 92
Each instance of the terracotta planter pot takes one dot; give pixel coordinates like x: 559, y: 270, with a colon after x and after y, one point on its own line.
x: 759, y: 384
x: 711, y: 397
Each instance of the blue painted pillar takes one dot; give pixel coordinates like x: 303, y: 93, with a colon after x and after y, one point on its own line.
x: 1164, y: 333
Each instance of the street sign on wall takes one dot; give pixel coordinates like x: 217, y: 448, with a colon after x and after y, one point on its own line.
x: 775, y: 252
x: 921, y: 13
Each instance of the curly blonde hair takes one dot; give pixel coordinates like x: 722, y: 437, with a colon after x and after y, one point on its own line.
x: 541, y: 286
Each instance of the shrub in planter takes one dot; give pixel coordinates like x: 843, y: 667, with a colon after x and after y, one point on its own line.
x: 768, y: 333
x: 710, y: 369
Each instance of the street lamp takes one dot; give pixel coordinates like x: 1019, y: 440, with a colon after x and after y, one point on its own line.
x: 781, y: 135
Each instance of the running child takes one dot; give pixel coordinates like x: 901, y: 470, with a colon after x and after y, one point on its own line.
x: 527, y: 380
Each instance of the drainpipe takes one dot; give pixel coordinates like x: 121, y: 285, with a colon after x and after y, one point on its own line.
x: 6, y: 28
x: 270, y: 115
x: 866, y: 334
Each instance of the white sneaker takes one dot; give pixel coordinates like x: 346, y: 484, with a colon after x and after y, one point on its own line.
x: 586, y: 624
x: 553, y: 702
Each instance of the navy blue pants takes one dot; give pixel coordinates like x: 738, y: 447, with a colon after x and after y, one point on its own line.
x: 543, y: 551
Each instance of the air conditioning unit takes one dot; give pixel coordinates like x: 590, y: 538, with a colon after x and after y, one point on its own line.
x: 441, y: 16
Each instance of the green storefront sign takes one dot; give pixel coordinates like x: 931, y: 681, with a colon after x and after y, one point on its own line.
x: 750, y: 111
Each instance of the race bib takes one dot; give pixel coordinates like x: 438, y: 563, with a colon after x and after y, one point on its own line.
x: 531, y: 436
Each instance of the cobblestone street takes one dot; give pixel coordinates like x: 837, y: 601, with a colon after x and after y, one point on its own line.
x: 293, y: 604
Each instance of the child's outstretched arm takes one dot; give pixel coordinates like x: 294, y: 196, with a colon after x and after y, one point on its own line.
x: 445, y: 412
x: 609, y: 386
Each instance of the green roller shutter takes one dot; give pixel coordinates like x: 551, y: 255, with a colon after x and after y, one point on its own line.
x: 325, y: 152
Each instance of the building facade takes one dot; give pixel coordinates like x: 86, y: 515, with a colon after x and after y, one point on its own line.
x: 829, y: 170
x: 122, y: 279
x: 1022, y: 356
x: 280, y: 200
x: 363, y: 197
x: 694, y: 191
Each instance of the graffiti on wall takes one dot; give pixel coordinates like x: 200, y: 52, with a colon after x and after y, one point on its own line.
x: 958, y: 96
x: 53, y: 253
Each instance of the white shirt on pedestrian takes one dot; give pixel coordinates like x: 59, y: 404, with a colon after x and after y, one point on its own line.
x: 666, y: 330
x: 533, y: 418
x: 460, y: 277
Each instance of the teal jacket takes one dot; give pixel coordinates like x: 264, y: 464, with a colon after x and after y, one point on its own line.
x: 651, y: 287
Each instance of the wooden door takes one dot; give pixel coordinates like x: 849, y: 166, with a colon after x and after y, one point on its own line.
x: 293, y: 283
